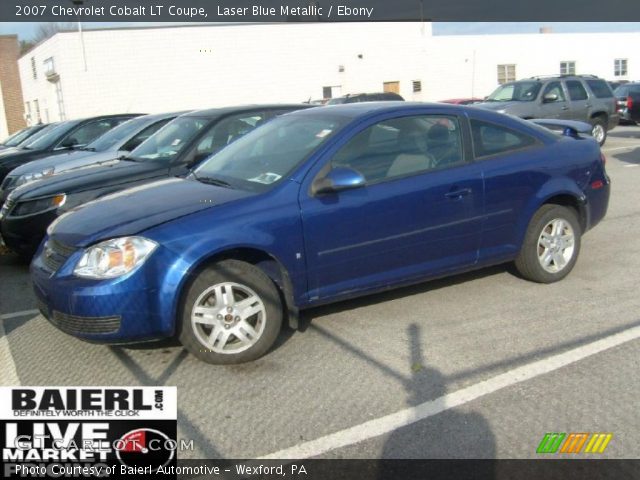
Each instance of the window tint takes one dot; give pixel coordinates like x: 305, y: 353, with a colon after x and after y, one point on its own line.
x: 554, y: 88
x: 170, y: 141
x: 491, y: 139
x: 403, y: 146
x: 226, y: 131
x: 576, y: 90
x: 117, y: 134
x: 600, y: 88
x: 518, y: 92
x: 621, y: 91
x: 144, y: 134
x: 268, y: 154
x: 87, y: 133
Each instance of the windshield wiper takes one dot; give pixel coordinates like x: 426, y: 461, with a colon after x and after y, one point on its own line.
x: 213, y: 181
x: 87, y: 149
x: 128, y: 159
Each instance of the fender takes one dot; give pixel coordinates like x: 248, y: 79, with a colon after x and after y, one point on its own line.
x: 552, y: 188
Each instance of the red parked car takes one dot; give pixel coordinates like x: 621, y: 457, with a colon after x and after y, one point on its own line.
x: 462, y: 101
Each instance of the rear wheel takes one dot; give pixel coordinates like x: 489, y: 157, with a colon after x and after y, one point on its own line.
x: 551, y: 245
x: 599, y: 130
x: 231, y: 314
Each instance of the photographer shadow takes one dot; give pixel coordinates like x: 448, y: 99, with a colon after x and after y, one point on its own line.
x: 436, y: 431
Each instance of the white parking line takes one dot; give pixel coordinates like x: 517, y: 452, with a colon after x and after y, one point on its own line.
x: 24, y: 313
x: 389, y: 423
x: 607, y: 150
x: 8, y: 372
x: 630, y: 166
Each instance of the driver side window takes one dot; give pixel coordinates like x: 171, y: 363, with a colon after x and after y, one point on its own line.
x: 555, y: 88
x: 403, y: 146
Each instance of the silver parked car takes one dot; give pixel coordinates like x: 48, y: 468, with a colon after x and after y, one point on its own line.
x: 585, y: 98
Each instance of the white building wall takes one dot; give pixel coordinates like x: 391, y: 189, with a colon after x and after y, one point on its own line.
x: 156, y: 70
x: 163, y: 69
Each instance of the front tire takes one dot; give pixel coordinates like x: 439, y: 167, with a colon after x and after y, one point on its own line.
x: 231, y: 314
x: 551, y: 245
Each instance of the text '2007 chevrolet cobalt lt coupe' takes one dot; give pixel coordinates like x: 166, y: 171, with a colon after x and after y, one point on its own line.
x: 313, y: 207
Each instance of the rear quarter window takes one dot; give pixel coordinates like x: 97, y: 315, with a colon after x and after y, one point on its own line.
x: 490, y: 139
x: 600, y: 88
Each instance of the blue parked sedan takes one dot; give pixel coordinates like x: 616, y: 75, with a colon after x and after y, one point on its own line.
x: 314, y: 207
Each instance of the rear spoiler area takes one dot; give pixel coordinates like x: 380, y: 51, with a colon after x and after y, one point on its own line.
x: 568, y: 128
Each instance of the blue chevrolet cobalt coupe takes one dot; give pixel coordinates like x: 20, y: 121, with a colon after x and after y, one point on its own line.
x: 313, y: 207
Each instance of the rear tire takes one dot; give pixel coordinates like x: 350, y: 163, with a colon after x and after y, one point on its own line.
x: 599, y: 130
x: 551, y: 245
x: 231, y: 314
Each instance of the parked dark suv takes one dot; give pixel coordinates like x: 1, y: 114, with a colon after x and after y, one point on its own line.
x: 365, y: 97
x: 586, y: 98
x: 628, y: 97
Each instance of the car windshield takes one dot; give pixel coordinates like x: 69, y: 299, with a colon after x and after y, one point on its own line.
x: 268, y: 154
x: 42, y: 141
x: 171, y: 140
x: 516, y: 92
x: 17, y: 138
x: 119, y: 134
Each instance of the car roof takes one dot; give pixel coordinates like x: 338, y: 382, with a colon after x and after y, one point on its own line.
x: 354, y: 110
x: 217, y: 112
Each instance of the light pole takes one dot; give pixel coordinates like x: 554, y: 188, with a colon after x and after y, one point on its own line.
x: 84, y: 52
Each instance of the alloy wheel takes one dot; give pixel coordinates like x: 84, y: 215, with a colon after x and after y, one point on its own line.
x: 556, y: 245
x: 228, y: 318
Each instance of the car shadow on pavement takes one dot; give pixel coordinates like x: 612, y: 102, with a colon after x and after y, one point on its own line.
x: 307, y: 316
x: 186, y: 426
x: 626, y: 133
x: 632, y: 156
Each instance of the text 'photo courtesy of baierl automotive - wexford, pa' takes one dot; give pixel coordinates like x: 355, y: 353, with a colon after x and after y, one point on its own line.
x: 319, y: 240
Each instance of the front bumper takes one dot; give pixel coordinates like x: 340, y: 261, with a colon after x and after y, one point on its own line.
x: 127, y: 309
x: 24, y: 234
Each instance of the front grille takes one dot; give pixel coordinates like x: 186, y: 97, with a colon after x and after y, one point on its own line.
x: 55, y: 254
x: 75, y: 325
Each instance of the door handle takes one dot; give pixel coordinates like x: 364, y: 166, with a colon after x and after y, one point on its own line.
x: 458, y: 193
x: 565, y: 107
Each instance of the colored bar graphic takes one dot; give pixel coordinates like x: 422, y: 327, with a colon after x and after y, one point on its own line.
x: 573, y: 442
x: 550, y: 443
x: 598, y: 442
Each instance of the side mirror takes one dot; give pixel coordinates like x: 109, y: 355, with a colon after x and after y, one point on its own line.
x: 550, y: 97
x: 69, y: 143
x: 339, y: 178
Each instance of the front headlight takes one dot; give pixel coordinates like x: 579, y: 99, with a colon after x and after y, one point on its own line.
x: 32, y: 177
x: 31, y: 207
x: 114, y: 258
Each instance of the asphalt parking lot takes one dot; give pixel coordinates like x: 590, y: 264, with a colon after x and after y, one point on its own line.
x: 480, y: 365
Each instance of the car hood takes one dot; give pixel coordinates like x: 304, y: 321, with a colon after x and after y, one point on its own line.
x: 89, y: 177
x: 11, y: 154
x: 132, y: 211
x: 53, y: 161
